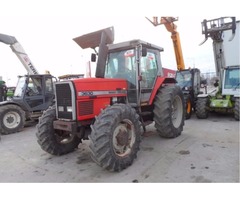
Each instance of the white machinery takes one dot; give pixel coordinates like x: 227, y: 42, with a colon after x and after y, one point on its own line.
x: 224, y: 32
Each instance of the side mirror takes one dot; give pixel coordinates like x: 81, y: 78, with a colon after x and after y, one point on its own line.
x: 93, y: 57
x: 144, y: 52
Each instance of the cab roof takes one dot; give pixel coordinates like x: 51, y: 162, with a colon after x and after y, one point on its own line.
x: 133, y: 43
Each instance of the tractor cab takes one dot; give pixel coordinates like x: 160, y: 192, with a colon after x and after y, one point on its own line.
x: 137, y: 62
x: 231, y: 81
x: 34, y: 92
x: 190, y: 82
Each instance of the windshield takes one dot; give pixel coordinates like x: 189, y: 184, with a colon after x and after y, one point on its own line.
x: 232, y: 79
x: 184, y: 78
x: 121, y: 64
x: 20, y: 87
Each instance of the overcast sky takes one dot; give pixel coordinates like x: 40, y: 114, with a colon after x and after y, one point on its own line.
x: 46, y: 30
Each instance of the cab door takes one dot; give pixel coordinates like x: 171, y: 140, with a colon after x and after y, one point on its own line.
x: 39, y: 93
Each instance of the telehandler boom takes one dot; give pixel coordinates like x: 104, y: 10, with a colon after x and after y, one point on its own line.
x: 188, y: 79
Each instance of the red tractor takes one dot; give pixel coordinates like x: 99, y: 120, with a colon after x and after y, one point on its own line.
x: 129, y: 92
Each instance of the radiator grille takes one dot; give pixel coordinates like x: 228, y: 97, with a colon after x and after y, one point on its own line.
x: 64, y: 100
x: 85, y: 108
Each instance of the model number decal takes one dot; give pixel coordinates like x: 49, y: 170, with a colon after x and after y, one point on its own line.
x: 86, y: 93
x: 97, y: 93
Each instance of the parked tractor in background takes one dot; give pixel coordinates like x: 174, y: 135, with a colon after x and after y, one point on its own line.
x: 3, y: 90
x: 10, y: 92
x: 226, y: 48
x: 33, y: 93
x: 188, y: 79
x: 129, y: 92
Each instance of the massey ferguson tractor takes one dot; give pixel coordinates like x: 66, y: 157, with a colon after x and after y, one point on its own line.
x: 113, y: 109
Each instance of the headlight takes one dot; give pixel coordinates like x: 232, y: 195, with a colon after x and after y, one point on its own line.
x: 69, y: 108
x: 60, y: 108
x: 114, y: 100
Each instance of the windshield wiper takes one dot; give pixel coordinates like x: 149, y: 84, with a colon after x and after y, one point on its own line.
x: 236, y: 86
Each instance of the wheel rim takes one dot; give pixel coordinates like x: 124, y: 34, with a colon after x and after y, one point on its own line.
x: 124, y: 138
x: 11, y: 119
x: 177, y: 111
x: 64, y: 137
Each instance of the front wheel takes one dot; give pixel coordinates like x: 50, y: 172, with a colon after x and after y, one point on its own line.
x: 236, y: 108
x: 12, y: 119
x: 115, y: 137
x: 55, y: 142
x: 169, y: 111
x: 202, y: 107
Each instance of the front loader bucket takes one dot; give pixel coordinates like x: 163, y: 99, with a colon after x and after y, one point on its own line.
x: 99, y: 39
x: 92, y: 40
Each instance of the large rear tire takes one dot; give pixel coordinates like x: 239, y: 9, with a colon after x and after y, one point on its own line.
x: 202, y: 108
x: 115, y: 137
x: 12, y: 119
x: 237, y: 108
x: 55, y: 142
x: 169, y: 111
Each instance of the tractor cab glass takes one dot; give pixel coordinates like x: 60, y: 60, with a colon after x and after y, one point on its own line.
x: 34, y: 86
x: 19, y: 91
x: 138, y: 68
x: 184, y: 79
x: 149, y: 69
x: 121, y: 65
x: 232, y: 79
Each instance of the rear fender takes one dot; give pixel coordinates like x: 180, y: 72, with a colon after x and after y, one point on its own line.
x: 3, y: 103
x: 159, y: 82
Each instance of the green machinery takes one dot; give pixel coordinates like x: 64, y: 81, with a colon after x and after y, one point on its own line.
x: 225, y: 97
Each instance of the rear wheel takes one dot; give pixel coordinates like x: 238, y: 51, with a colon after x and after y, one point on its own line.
x: 115, y: 137
x: 55, y: 142
x: 12, y: 119
x: 169, y: 111
x: 202, y: 108
x: 236, y: 109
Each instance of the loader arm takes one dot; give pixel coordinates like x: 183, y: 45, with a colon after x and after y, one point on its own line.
x: 168, y: 22
x: 20, y: 53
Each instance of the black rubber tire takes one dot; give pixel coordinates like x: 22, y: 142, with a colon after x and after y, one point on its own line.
x: 236, y: 108
x: 108, y: 124
x: 53, y: 141
x: 169, y: 111
x: 188, y: 106
x: 14, y: 115
x: 202, y: 108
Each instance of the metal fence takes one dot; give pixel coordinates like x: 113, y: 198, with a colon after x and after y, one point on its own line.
x: 210, y: 77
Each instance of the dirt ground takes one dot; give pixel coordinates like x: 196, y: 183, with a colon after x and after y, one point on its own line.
x: 207, y: 151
